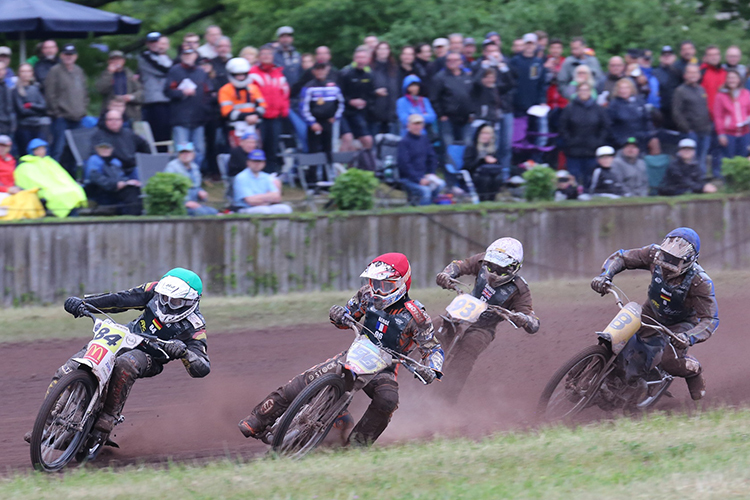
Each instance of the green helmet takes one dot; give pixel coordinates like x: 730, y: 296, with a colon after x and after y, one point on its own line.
x: 178, y: 293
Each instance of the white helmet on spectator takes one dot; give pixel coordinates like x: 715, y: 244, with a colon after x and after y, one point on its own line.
x: 503, y: 259
x: 238, y: 66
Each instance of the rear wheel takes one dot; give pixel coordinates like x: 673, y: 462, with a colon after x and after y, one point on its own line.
x: 574, y: 385
x: 59, y: 428
x: 309, y: 418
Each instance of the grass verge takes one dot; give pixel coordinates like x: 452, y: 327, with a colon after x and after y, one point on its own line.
x: 667, y: 457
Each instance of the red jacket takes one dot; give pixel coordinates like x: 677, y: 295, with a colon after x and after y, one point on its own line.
x: 713, y: 79
x: 272, y: 83
x: 7, y: 167
x: 729, y: 112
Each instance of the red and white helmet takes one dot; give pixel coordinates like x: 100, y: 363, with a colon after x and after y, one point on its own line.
x: 389, y: 277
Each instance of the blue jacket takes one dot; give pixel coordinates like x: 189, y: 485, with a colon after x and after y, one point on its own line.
x: 408, y: 105
x: 187, y: 111
x: 100, y: 178
x: 530, y: 83
x: 629, y: 118
x: 415, y: 158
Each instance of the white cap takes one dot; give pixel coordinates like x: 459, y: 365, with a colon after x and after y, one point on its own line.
x: 440, y: 42
x: 284, y: 30
x: 562, y: 174
x: 686, y: 143
x: 530, y: 38
x: 605, y: 151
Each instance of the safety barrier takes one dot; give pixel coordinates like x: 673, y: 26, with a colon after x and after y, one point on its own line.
x: 45, y: 262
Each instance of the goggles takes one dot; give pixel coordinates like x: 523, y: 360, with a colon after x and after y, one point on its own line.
x: 175, y: 303
x: 499, y: 270
x: 383, y: 287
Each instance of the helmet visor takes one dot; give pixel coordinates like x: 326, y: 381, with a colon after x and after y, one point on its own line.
x: 383, y: 287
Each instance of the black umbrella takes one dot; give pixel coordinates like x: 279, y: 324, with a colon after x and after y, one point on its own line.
x: 42, y: 19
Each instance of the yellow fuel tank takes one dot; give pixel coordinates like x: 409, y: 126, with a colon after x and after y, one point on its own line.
x: 623, y: 326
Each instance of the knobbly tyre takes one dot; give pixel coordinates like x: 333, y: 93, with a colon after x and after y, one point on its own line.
x: 64, y: 428
x: 313, y: 412
x: 463, y: 311
x: 598, y: 375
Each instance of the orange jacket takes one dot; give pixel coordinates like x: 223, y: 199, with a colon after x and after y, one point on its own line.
x: 236, y: 103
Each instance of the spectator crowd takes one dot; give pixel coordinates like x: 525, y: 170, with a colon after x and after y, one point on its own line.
x: 645, y: 123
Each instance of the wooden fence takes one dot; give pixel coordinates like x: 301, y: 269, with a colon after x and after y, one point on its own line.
x: 235, y: 256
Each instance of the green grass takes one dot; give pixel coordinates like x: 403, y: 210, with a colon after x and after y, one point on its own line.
x: 667, y: 457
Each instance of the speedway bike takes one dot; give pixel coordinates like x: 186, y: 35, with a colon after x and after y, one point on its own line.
x: 64, y: 427
x: 313, y: 412
x: 597, y: 376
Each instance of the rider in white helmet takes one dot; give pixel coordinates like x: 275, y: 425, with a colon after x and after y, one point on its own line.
x: 241, y: 101
x: 497, y: 283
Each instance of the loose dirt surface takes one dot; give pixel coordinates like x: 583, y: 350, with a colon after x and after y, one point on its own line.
x: 174, y: 416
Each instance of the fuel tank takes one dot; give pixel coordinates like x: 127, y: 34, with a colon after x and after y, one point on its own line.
x: 622, y: 327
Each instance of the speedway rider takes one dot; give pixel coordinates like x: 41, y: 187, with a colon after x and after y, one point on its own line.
x: 394, y: 321
x: 680, y: 296
x: 497, y: 283
x: 170, y: 312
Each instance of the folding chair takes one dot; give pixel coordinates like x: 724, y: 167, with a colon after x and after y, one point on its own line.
x: 524, y: 142
x: 79, y: 143
x: 304, y: 162
x: 454, y: 167
x: 143, y: 129
x: 150, y: 164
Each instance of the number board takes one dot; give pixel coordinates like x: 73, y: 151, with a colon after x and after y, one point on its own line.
x: 466, y: 307
x: 110, y: 336
x: 365, y: 357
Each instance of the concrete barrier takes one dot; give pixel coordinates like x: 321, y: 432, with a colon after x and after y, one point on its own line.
x: 48, y: 261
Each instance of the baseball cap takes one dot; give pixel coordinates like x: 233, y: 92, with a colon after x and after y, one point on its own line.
x: 153, y: 36
x: 104, y: 143
x: 6, y: 140
x: 36, y: 143
x: 186, y: 146
x: 634, y: 53
x: 605, y: 151
x: 686, y: 143
x: 667, y: 49
x: 5, y: 51
x: 562, y: 174
x: 530, y: 38
x: 492, y: 33
x: 284, y: 30
x: 416, y: 118
x: 69, y: 49
x: 632, y: 140
x: 256, y: 155
x: 440, y: 42
x: 249, y: 135
x: 469, y: 41
x: 116, y: 53
x: 487, y: 42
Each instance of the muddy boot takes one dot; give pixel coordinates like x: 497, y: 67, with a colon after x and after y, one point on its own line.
x: 344, y: 424
x: 251, y: 426
x: 697, y: 386
x: 105, y: 423
x: 27, y: 437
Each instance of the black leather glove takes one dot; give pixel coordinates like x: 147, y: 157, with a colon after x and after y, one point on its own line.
x: 176, y: 349
x: 75, y: 306
x: 601, y: 284
x: 427, y: 373
x: 337, y: 314
x: 444, y: 280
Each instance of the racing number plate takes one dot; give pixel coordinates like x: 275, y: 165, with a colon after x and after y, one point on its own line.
x: 466, y: 307
x: 108, y: 337
x: 364, y: 357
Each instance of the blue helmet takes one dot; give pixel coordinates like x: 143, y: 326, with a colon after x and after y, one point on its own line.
x: 678, y: 251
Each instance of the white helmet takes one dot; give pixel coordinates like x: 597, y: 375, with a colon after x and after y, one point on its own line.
x: 177, y: 295
x: 503, y: 259
x: 238, y: 66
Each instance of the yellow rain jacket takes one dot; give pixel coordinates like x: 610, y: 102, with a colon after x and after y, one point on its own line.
x: 22, y: 205
x: 56, y: 186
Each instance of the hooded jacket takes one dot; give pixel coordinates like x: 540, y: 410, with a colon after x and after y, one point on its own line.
x: 273, y: 85
x: 632, y: 172
x: 101, y: 177
x: 126, y: 144
x: 732, y: 112
x: 584, y: 126
x: 472, y: 158
x: 61, y: 193
x: 408, y: 105
x: 153, y: 69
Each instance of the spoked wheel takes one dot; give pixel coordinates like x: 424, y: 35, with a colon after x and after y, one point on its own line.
x: 574, y: 385
x: 309, y: 418
x: 59, y: 427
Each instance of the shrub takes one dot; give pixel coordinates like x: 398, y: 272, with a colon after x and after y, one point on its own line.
x: 736, y: 171
x: 354, y: 190
x: 165, y: 194
x: 540, y: 183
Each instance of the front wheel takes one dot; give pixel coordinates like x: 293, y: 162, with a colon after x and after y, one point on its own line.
x: 309, y: 418
x: 59, y: 428
x: 574, y: 385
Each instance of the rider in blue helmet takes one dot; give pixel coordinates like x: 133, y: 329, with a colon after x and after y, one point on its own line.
x: 681, y: 296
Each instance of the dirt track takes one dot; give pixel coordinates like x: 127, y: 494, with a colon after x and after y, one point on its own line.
x: 183, y: 418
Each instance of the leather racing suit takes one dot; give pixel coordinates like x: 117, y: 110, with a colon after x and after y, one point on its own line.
x: 140, y: 362
x: 513, y: 295
x: 686, y: 304
x: 400, y: 327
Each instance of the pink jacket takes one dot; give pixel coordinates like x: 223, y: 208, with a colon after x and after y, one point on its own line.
x: 729, y: 113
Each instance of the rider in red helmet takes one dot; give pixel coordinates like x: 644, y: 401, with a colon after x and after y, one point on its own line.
x: 394, y: 321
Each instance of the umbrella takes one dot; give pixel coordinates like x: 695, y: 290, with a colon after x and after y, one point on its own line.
x: 59, y: 19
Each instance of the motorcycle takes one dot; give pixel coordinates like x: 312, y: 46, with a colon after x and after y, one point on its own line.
x: 463, y: 311
x: 610, y: 374
x: 313, y: 412
x: 64, y: 427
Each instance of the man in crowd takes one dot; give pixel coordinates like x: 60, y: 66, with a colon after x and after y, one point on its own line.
x: 733, y: 56
x: 119, y: 83
x: 417, y: 163
x: 530, y: 74
x: 125, y: 142
x: 713, y: 76
x: 66, y: 91
x: 355, y: 82
x: 577, y: 57
x: 107, y: 184
x: 187, y: 87
x: 690, y: 113
x: 371, y: 41
x: 7, y: 114
x: 669, y: 79
x: 286, y: 55
x: 185, y: 165
x: 440, y: 49
x: 687, y: 56
x: 10, y: 77
x: 255, y: 191
x: 451, y: 98
x: 47, y: 59
x: 469, y: 50
x: 153, y: 66
x: 683, y: 174
x: 223, y: 55
x: 209, y: 49
x: 631, y: 169
x: 322, y: 104
x: 238, y: 155
x: 270, y: 79
x: 189, y: 41
x: 615, y: 71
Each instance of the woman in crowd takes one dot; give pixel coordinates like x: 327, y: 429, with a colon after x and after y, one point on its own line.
x: 480, y: 159
x: 582, y: 74
x: 30, y: 108
x: 628, y: 115
x: 413, y: 103
x: 250, y: 53
x: 386, y: 84
x: 732, y: 116
x: 408, y: 66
